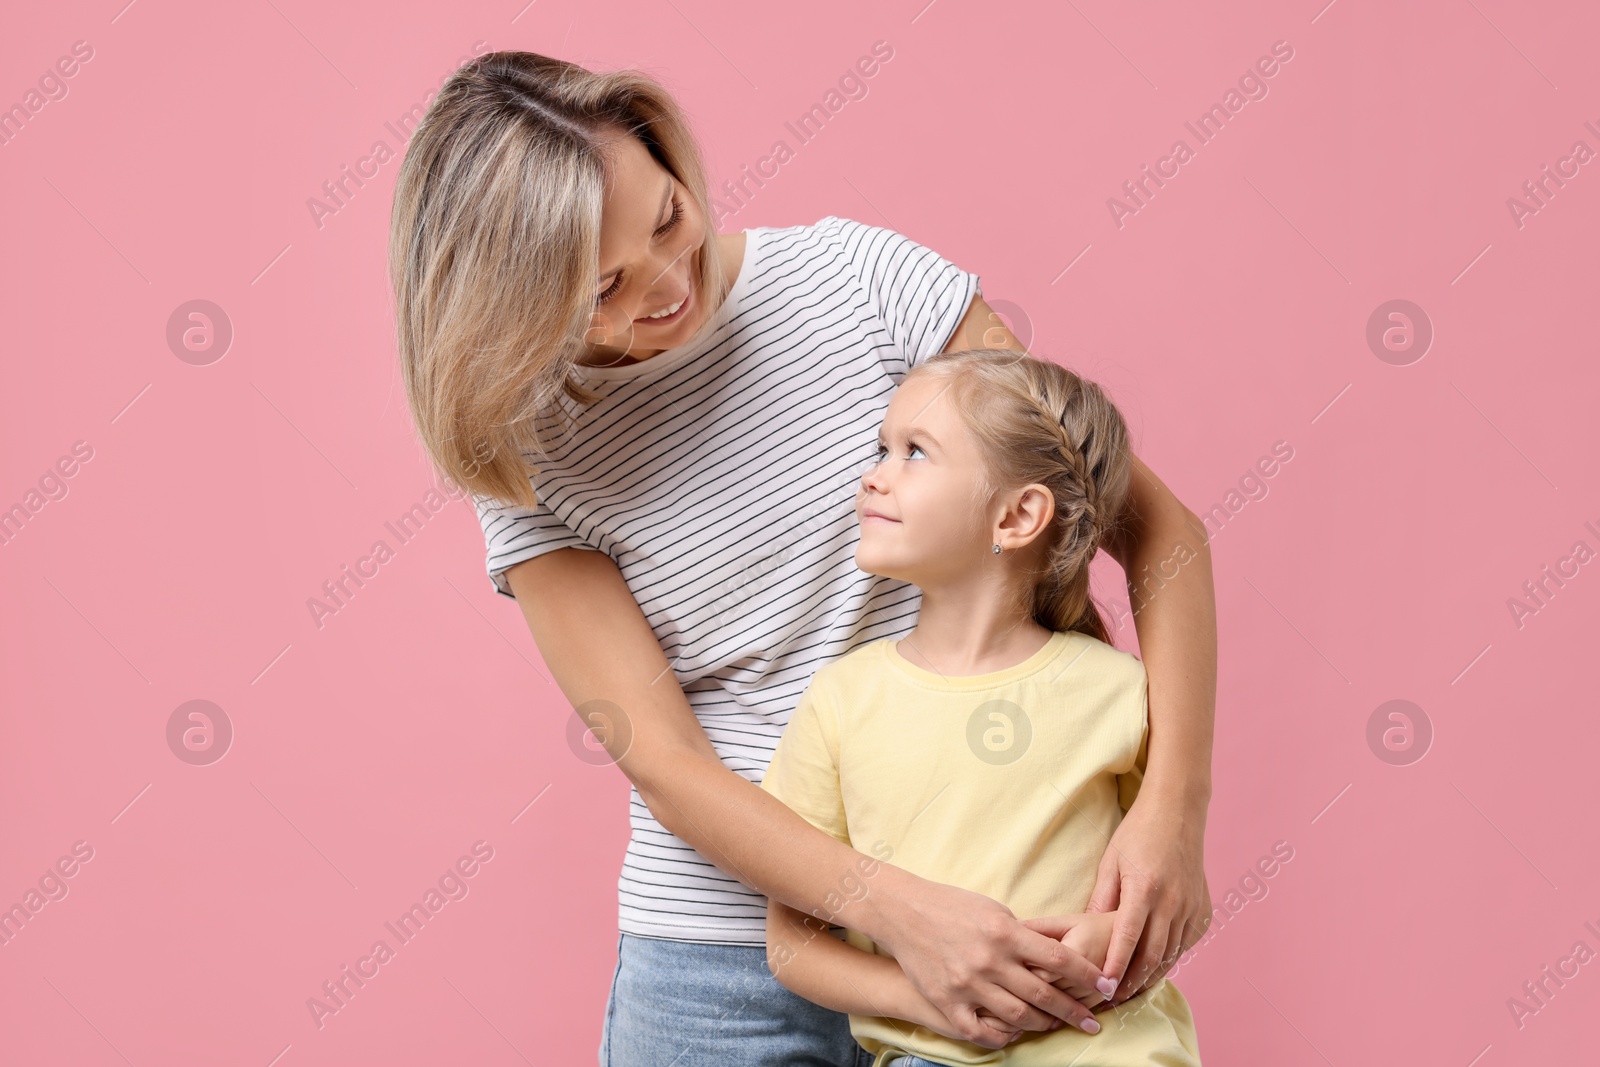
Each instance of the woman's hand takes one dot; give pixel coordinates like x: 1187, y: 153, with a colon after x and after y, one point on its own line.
x: 968, y: 954
x: 1153, y: 877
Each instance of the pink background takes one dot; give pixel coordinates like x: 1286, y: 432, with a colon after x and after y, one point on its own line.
x: 1229, y: 313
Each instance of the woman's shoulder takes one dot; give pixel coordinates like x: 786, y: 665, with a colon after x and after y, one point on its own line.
x: 830, y: 229
x: 827, y: 224
x: 888, y: 263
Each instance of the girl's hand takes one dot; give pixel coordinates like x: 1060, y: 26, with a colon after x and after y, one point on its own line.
x: 931, y: 1018
x: 1089, y: 934
x: 967, y: 953
x: 1153, y: 876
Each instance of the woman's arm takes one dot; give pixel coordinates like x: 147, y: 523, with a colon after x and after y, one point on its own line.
x: 972, y: 954
x: 1153, y: 871
x: 809, y: 961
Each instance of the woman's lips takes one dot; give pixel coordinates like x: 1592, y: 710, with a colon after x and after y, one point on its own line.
x: 668, y: 320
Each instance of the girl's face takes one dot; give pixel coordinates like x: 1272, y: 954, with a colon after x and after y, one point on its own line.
x: 924, y: 518
x: 651, y: 235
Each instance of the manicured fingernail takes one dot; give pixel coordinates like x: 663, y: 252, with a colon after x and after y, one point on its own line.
x: 1108, y: 986
x: 1089, y: 1026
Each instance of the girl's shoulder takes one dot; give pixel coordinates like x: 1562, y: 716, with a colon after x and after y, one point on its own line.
x: 1105, y: 653
x: 859, y: 660
x: 850, y: 674
x: 1104, y: 660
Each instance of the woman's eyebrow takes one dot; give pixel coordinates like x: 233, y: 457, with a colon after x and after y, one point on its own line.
x: 666, y: 197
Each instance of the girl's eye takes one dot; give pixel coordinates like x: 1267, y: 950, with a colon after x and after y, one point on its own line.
x: 882, y: 451
x: 666, y: 227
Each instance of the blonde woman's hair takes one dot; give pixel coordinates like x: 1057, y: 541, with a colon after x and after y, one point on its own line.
x: 494, y: 247
x: 1036, y: 421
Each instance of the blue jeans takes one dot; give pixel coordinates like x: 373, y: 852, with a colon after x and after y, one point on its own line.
x: 686, y: 1004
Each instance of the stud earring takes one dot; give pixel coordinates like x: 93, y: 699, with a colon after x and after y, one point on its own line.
x: 997, y: 548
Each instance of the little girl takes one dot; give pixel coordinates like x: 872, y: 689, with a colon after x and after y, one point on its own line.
x: 997, y: 745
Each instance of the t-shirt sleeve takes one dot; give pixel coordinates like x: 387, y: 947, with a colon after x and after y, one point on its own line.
x: 919, y: 296
x: 1129, y: 782
x: 513, y: 533
x: 804, y: 769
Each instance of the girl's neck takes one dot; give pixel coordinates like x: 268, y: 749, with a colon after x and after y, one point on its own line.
x: 958, y: 639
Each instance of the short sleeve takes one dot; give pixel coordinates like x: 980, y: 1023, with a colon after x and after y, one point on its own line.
x: 1129, y: 782
x: 513, y: 534
x: 920, y: 296
x: 804, y: 770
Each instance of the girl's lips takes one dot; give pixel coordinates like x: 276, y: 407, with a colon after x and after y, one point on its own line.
x: 878, y: 518
x: 675, y: 316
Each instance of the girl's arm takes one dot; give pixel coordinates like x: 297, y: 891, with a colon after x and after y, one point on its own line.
x: 968, y: 953
x: 812, y: 963
x: 809, y: 961
x: 1153, y: 871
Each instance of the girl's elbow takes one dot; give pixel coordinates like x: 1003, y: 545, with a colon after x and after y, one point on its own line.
x: 781, y: 950
x: 779, y: 956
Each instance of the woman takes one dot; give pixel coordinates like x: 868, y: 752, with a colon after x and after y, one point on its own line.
x: 662, y: 427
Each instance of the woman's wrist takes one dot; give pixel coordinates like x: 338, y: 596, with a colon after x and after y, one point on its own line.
x: 1181, y: 792
x: 1181, y: 782
x: 879, y: 913
x: 1175, y: 816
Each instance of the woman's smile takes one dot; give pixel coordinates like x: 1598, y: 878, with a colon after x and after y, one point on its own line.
x: 678, y: 313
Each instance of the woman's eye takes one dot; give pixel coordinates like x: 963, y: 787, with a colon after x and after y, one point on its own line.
x: 616, y: 286
x: 677, y: 216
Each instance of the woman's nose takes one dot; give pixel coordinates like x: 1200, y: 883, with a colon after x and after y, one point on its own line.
x: 668, y: 273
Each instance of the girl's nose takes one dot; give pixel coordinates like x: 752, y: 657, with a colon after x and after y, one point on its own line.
x: 872, y: 476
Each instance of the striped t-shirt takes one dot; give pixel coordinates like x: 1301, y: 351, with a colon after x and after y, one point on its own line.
x: 721, y: 478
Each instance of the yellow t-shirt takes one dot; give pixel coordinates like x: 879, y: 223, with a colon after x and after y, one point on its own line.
x: 1008, y: 784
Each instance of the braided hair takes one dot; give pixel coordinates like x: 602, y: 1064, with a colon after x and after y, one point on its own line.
x: 1036, y: 421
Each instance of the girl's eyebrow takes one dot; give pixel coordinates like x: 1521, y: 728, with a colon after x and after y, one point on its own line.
x: 915, y: 431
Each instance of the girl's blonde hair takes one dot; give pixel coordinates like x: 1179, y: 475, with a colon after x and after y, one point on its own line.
x: 1036, y: 421
x: 494, y: 248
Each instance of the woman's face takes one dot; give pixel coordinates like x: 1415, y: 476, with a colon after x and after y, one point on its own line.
x: 651, y: 237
